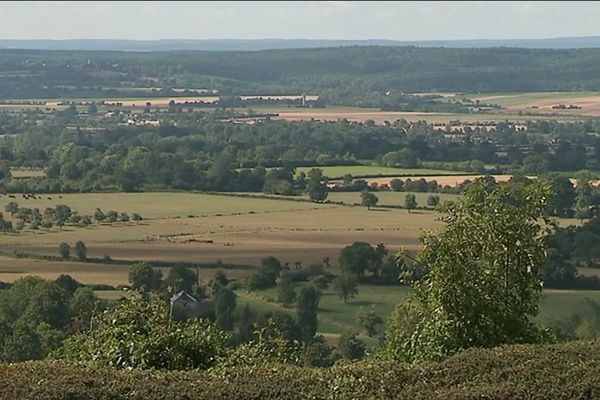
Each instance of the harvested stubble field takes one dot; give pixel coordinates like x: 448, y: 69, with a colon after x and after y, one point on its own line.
x: 444, y: 180
x: 232, y: 229
x: 370, y: 170
x: 542, y: 102
x: 379, y: 117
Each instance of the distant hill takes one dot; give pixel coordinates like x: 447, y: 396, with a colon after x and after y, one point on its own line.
x: 270, y: 44
x: 353, y: 75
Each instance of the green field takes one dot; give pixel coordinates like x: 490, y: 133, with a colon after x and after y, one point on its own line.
x: 369, y: 170
x: 335, y: 316
x: 386, y: 198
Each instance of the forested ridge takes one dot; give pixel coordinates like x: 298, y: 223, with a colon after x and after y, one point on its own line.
x: 340, y: 74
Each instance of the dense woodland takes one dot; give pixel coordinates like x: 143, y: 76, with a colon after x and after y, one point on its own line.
x: 344, y: 75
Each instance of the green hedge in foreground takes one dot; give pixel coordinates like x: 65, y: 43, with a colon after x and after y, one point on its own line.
x: 562, y: 371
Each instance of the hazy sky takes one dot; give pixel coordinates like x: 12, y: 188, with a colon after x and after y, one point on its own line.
x: 327, y: 20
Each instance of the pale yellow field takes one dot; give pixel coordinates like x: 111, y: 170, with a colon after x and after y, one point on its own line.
x: 444, y: 180
x: 307, y: 236
x: 542, y: 102
x: 378, y: 116
x: 12, y: 269
x: 158, y: 204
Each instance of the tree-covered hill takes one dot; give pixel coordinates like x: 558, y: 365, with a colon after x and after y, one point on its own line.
x: 339, y: 74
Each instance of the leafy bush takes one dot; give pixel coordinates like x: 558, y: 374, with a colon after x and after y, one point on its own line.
x: 139, y: 334
x: 537, y: 372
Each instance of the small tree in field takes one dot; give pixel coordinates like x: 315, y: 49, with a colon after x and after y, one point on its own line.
x: 368, y: 199
x: 81, y: 250
x: 64, y: 249
x: 346, y: 286
x: 410, y: 202
x: 433, y: 200
x: 478, y: 282
x: 316, y: 189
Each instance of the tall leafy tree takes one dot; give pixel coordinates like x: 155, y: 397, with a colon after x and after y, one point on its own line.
x: 307, y: 306
x: 144, y: 277
x: 316, y: 188
x: 478, y: 282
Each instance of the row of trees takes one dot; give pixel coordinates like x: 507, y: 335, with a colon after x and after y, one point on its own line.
x: 60, y: 215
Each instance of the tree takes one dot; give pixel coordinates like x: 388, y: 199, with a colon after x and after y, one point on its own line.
x: 433, y: 200
x: 136, y: 217
x: 286, y: 293
x: 143, y: 276
x: 66, y: 282
x: 350, y: 347
x: 181, y: 278
x: 369, y: 320
x: 308, y: 304
x: 357, y: 258
x: 84, y: 304
x: 99, y: 215
x: 478, y: 281
x: 246, y: 325
x: 410, y: 202
x: 225, y: 303
x: 112, y: 216
x: 317, y: 353
x: 368, y: 199
x: 64, y: 250
x: 81, y: 250
x: 563, y: 199
x: 397, y: 185
x: 345, y: 286
x: 316, y: 189
x: 12, y: 208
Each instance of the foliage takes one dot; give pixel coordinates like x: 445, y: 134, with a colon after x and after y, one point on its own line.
x: 562, y: 371
x: 286, y: 293
x: 81, y: 250
x: 225, y: 303
x: 64, y: 250
x: 180, y: 278
x: 316, y: 189
x: 266, y: 276
x: 478, y: 281
x: 369, y: 320
x: 410, y: 202
x: 368, y: 199
x: 358, y: 258
x: 143, y: 277
x: 138, y: 334
x: 307, y: 307
x: 345, y: 286
x: 350, y: 346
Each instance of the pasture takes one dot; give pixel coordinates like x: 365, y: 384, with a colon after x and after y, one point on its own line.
x: 335, y: 316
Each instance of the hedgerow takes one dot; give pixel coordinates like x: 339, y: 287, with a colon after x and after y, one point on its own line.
x: 559, y: 371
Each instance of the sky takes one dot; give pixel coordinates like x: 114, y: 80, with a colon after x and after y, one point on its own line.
x: 293, y: 20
